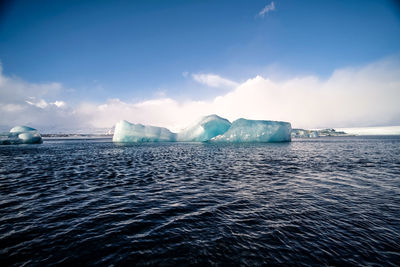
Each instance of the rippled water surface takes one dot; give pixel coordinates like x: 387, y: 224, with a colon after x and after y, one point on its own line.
x: 332, y: 201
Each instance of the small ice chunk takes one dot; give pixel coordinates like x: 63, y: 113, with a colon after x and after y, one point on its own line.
x: 204, y: 129
x: 243, y: 130
x: 21, y: 135
x: 22, y: 129
x: 127, y: 132
x: 30, y: 137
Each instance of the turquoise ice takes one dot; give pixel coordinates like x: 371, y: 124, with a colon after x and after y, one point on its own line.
x: 126, y: 132
x: 208, y: 128
x: 243, y: 130
x: 204, y: 129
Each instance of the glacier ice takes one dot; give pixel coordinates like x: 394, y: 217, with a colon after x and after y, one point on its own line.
x: 21, y: 135
x: 208, y: 128
x: 243, y: 130
x: 126, y: 132
x: 301, y: 133
x: 204, y: 129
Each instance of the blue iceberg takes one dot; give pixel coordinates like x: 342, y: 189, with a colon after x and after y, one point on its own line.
x: 21, y: 135
x: 243, y: 130
x: 209, y: 128
x: 126, y: 132
x: 204, y: 129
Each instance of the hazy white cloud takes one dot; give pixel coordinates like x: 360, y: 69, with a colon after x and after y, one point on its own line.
x: 350, y: 97
x: 363, y: 96
x: 268, y: 8
x: 34, y: 104
x: 41, y: 103
x: 213, y: 80
x: 59, y: 104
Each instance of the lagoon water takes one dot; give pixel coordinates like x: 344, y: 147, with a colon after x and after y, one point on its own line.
x: 325, y: 201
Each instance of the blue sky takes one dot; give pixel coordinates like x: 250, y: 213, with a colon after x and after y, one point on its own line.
x: 138, y: 50
x: 134, y: 48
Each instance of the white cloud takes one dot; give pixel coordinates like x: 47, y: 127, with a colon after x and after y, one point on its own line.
x: 363, y: 96
x: 41, y: 103
x: 59, y: 104
x: 213, y: 80
x: 268, y: 8
x: 34, y: 104
x: 350, y: 97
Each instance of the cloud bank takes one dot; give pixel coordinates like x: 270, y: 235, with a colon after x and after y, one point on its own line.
x: 350, y: 97
x: 36, y: 104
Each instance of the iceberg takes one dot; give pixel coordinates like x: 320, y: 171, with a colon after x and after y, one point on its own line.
x: 243, y: 130
x: 331, y: 132
x: 126, y: 132
x: 301, y: 133
x: 208, y: 128
x: 204, y: 129
x: 21, y: 135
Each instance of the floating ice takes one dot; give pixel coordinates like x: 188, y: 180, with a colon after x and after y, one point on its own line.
x: 243, y: 130
x: 22, y: 129
x: 301, y: 133
x: 208, y: 128
x: 21, y: 135
x: 204, y: 129
x: 127, y: 132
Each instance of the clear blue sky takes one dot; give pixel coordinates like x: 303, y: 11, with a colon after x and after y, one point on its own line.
x: 136, y: 48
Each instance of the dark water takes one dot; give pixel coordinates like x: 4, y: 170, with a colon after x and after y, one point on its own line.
x: 333, y: 201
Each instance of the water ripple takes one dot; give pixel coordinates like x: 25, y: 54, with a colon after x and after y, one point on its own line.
x: 333, y: 201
